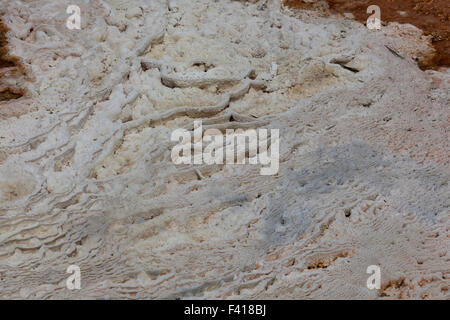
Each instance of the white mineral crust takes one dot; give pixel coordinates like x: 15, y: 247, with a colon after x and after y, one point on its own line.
x: 86, y: 176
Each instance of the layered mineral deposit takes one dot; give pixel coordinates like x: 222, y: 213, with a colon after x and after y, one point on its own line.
x: 87, y: 178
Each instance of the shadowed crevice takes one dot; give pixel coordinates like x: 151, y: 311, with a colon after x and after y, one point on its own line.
x: 10, y: 68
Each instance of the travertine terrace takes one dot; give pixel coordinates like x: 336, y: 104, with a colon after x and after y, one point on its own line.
x: 86, y: 176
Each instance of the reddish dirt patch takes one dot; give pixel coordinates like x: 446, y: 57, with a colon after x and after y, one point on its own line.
x: 9, y: 68
x: 432, y: 16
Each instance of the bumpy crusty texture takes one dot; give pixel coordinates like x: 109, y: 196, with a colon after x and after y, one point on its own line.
x: 86, y: 176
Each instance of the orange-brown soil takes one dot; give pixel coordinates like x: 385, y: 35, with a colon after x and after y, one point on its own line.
x: 432, y: 16
x: 9, y: 68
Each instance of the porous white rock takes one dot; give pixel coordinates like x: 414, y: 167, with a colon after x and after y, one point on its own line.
x: 86, y: 176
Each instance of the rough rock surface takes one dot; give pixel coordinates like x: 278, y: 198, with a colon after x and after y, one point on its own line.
x: 86, y: 176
